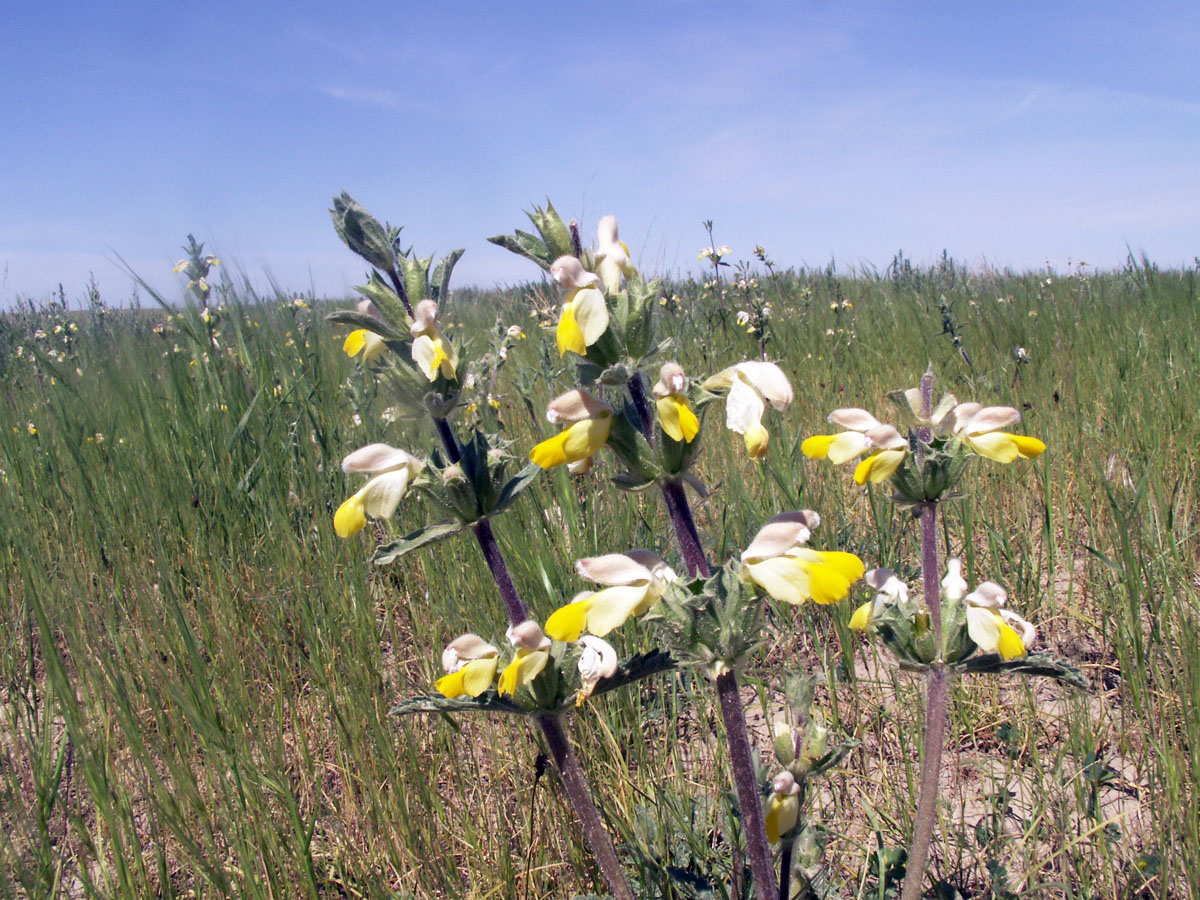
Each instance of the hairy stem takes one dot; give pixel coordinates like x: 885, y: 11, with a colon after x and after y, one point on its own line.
x: 581, y: 800
x: 931, y: 763
x: 685, y: 529
x: 742, y: 762
x: 513, y: 604
x: 936, y: 682
x: 738, y: 737
x: 565, y: 761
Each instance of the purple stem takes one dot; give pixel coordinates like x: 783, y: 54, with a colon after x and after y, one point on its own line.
x: 581, y: 800
x: 637, y: 391
x: 740, y: 754
x: 685, y: 530
x: 401, y: 290
x: 742, y: 760
x: 937, y: 681
x: 565, y: 760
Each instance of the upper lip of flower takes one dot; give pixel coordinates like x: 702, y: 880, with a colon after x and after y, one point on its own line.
x: 751, y: 386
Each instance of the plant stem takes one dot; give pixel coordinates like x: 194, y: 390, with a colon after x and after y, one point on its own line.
x: 931, y: 764
x: 513, y: 604
x: 581, y: 800
x: 785, y: 868
x: 740, y: 754
x: 565, y: 761
x: 685, y: 529
x: 742, y: 762
x: 936, y: 684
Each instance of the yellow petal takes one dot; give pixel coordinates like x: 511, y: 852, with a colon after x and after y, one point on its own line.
x: 847, y: 564
x: 451, y: 685
x: 566, y: 622
x: 1009, y: 645
x: 350, y: 517
x: 478, y: 674
x: 570, y: 335
x: 677, y: 418
x: 757, y: 438
x: 591, y: 312
x: 817, y: 446
x: 783, y: 812
x: 879, y: 466
x: 861, y: 619
x: 355, y: 341
x: 586, y: 438
x: 525, y: 667
x: 994, y: 445
x: 1028, y: 447
x: 610, y: 608
x: 577, y: 442
x: 827, y: 584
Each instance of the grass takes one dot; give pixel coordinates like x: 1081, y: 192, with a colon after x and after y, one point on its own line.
x: 195, y: 673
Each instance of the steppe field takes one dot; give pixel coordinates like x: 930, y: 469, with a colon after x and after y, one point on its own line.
x: 197, y: 673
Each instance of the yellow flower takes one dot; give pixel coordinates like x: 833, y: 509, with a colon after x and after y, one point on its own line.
x: 431, y: 352
x: 533, y: 652
x: 634, y: 582
x: 392, y: 471
x: 783, y: 808
x: 584, y: 316
x: 674, y: 414
x: 590, y: 423
x: 866, y: 434
x: 371, y: 345
x: 978, y: 427
x: 779, y: 563
x: 751, y: 386
x: 471, y: 663
x: 612, y: 256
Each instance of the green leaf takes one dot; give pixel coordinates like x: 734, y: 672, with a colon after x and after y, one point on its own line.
x: 357, y: 319
x: 643, y: 665
x: 553, y: 230
x: 416, y: 278
x: 524, y: 244
x: 390, y: 305
x: 489, y: 701
x: 1042, y: 664
x: 440, y: 280
x: 430, y: 534
x: 515, y: 485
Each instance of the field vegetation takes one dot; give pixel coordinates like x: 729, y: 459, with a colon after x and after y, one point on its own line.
x: 196, y: 673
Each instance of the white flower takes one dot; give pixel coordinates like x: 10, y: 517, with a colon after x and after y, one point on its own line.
x: 751, y: 386
x: 612, y: 256
x: 392, y: 471
x: 597, y: 660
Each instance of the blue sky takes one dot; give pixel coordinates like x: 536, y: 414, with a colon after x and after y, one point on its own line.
x: 1015, y: 133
